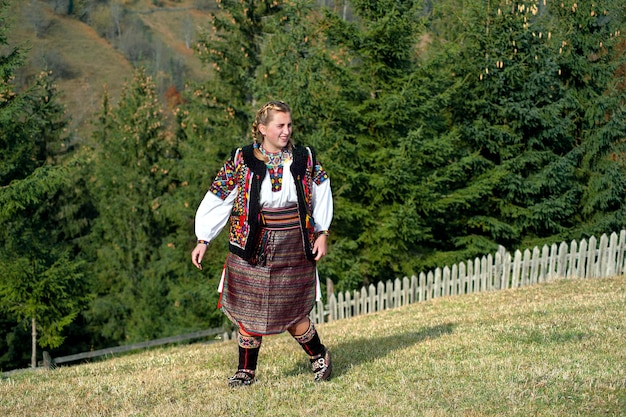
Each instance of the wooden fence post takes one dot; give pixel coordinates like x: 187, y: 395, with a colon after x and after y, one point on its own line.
x: 506, y: 271
x: 340, y: 306
x: 414, y: 289
x: 603, y: 257
x: 380, y: 296
x: 517, y: 266
x: 621, y: 248
x: 318, y: 312
x: 332, y: 308
x: 364, y: 300
x: 469, y: 273
x: 388, y: 295
x: 553, y: 257
x: 525, y: 277
x: 562, y: 260
x: 573, y: 267
x: 397, y: 292
x: 476, y: 276
x: 372, y: 299
x: 582, y: 260
x: 454, y: 280
x: 480, y: 271
x: 544, y: 274
x: 406, y: 291
x: 446, y: 281
x: 612, y: 254
x: 356, y: 300
x: 437, y: 284
x: 591, y: 258
x: 462, y: 278
x: 349, y: 304
x: 48, y: 362
x: 534, y: 267
x: 421, y: 287
x: 489, y: 272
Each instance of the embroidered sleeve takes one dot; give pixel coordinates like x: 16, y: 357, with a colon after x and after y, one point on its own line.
x: 224, y: 181
x: 214, y: 210
x: 319, y: 174
x: 322, y: 198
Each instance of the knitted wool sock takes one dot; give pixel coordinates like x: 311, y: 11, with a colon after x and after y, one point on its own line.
x: 249, y: 347
x: 310, y: 342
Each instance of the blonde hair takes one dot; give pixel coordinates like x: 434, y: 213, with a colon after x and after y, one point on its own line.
x: 263, y: 117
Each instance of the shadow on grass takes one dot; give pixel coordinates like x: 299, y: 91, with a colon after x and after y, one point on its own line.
x: 357, y: 351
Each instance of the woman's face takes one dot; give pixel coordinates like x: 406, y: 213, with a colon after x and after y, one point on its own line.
x: 276, y: 132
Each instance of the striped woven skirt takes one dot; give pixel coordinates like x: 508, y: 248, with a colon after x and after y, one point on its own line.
x: 276, y: 290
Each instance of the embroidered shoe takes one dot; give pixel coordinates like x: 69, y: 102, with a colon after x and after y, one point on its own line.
x: 322, y: 366
x: 241, y: 378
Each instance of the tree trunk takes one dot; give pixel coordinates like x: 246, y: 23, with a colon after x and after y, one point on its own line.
x: 33, y: 357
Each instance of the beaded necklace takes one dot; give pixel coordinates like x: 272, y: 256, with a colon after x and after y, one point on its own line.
x: 274, y: 165
x: 276, y: 158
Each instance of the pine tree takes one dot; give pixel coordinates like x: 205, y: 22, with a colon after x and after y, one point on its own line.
x: 41, y: 285
x: 129, y: 178
x: 219, y: 111
x: 388, y: 115
x: 513, y: 181
x: 591, y: 62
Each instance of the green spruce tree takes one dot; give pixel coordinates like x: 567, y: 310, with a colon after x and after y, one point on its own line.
x: 591, y: 62
x: 41, y: 284
x: 513, y: 181
x: 129, y: 177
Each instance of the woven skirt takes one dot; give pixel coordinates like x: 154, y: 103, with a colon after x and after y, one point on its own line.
x: 278, y: 288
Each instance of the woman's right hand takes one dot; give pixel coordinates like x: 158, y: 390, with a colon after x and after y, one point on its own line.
x: 197, y: 254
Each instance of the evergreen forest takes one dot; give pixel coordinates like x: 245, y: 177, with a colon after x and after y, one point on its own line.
x: 447, y: 127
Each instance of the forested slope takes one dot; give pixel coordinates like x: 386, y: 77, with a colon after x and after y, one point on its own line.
x: 92, y: 46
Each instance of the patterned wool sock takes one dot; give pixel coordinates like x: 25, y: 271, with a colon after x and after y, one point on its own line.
x: 249, y: 347
x: 310, y: 342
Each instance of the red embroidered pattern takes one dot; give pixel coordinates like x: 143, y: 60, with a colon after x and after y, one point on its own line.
x: 276, y: 177
x: 320, y: 175
x: 224, y: 182
x: 239, y: 227
x: 234, y: 173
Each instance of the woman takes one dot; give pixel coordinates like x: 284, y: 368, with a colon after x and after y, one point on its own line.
x: 278, y: 199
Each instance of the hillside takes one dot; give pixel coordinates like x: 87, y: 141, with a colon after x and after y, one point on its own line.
x: 86, y: 62
x: 556, y: 349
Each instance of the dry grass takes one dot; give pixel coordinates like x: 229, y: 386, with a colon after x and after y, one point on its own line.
x: 93, y: 61
x: 171, y: 26
x: 555, y: 349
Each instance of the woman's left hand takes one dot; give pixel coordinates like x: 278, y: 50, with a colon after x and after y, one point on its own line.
x: 319, y: 247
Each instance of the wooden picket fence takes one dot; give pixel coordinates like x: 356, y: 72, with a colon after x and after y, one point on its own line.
x: 586, y: 259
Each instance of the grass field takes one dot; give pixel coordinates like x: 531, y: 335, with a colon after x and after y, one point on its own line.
x: 556, y: 349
